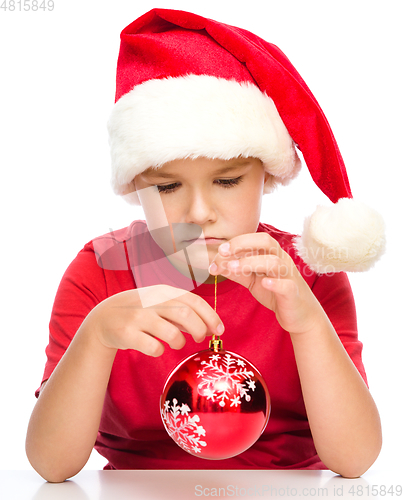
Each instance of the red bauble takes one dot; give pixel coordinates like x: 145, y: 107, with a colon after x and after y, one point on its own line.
x: 215, y: 404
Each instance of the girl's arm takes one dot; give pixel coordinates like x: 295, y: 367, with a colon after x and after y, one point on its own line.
x: 343, y: 417
x: 64, y: 423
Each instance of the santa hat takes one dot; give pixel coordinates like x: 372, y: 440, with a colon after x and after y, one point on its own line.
x: 189, y: 86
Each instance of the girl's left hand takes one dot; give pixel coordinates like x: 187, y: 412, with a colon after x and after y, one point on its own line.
x: 258, y: 262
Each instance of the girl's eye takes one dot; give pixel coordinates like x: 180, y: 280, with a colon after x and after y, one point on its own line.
x: 225, y: 183
x: 167, y: 188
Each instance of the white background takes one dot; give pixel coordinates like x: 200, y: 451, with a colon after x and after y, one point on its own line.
x: 56, y: 93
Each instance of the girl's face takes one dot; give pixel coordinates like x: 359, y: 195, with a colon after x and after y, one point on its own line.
x: 222, y: 197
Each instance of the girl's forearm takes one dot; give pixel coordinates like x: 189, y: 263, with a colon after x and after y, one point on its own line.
x: 343, y: 417
x: 65, y: 420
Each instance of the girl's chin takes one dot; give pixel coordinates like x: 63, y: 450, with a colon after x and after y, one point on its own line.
x: 199, y: 269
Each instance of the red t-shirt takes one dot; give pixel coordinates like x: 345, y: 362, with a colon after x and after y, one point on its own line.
x: 131, y: 433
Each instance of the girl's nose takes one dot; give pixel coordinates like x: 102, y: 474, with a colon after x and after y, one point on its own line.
x: 200, y: 208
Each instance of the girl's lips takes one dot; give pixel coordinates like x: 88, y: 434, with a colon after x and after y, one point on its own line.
x: 206, y: 241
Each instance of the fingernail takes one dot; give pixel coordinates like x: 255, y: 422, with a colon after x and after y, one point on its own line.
x: 213, y: 268
x: 224, y: 249
x: 220, y: 329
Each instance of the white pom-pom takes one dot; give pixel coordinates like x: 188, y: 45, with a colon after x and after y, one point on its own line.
x: 348, y: 236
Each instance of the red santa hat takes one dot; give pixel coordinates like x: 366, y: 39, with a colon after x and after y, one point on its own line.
x: 188, y: 86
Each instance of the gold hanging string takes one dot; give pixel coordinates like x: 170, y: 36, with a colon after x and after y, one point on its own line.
x: 215, y: 292
x: 215, y: 344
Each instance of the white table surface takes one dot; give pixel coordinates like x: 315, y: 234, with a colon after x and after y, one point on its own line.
x: 186, y: 485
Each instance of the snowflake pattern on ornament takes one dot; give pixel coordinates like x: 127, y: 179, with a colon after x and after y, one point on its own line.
x: 183, y: 428
x: 225, y: 375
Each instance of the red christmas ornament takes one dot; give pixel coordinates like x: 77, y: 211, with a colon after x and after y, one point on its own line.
x: 215, y: 404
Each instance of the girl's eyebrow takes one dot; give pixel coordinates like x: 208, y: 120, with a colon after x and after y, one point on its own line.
x: 156, y: 173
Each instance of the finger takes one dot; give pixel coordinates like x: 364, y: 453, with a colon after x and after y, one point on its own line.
x: 254, y: 243
x: 169, y: 298
x: 183, y: 317
x: 166, y: 331
x: 146, y: 344
x: 247, y: 245
x: 261, y: 265
x: 208, y: 315
x: 191, y: 314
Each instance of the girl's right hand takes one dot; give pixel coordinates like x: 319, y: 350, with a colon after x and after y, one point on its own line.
x: 122, y: 322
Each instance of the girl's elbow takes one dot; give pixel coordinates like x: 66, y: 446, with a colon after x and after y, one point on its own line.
x: 53, y: 474
x: 354, y: 466
x: 48, y: 468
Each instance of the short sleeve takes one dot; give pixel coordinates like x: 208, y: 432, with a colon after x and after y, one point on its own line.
x: 82, y: 287
x: 335, y: 295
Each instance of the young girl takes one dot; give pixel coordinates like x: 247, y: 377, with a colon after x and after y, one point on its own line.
x: 206, y: 120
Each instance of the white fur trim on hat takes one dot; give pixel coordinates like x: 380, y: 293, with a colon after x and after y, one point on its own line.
x: 348, y: 236
x: 197, y: 115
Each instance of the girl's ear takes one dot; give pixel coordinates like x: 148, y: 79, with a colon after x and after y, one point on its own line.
x: 267, y: 177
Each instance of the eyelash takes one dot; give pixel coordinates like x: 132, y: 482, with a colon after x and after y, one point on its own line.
x: 225, y: 183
